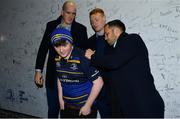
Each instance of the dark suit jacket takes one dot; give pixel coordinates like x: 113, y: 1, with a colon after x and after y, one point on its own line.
x: 133, y: 93
x: 92, y: 42
x: 79, y: 34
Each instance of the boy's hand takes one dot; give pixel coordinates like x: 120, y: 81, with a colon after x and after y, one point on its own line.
x: 85, y: 110
x: 61, y: 104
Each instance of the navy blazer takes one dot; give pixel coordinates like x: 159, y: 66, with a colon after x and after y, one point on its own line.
x: 79, y: 34
x: 133, y: 93
x: 92, y: 42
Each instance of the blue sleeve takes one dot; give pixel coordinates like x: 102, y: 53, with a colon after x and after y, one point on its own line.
x: 91, y: 72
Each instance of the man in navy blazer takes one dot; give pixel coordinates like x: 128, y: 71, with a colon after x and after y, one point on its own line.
x: 79, y: 34
x: 98, y: 46
x: 133, y: 93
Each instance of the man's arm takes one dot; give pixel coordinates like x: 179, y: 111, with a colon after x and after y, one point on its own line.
x: 40, y: 60
x: 42, y: 51
x: 124, y: 53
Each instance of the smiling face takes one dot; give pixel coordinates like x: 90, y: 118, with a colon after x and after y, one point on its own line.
x: 69, y: 13
x: 64, y: 50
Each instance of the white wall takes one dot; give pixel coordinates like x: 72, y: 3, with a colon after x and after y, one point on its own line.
x: 22, y: 24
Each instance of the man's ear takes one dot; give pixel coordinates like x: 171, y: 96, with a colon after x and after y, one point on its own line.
x: 117, y: 31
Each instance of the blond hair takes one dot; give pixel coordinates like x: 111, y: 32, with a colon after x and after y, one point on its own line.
x: 96, y: 10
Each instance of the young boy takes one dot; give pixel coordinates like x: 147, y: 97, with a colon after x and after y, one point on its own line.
x: 78, y: 83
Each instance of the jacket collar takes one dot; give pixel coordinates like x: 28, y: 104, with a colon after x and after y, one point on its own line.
x: 120, y: 39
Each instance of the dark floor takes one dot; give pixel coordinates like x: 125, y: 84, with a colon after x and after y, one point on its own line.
x: 11, y: 114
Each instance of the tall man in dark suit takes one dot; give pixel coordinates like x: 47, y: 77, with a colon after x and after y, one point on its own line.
x: 133, y: 93
x: 79, y: 34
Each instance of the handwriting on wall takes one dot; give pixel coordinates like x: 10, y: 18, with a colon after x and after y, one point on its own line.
x: 16, y: 96
x: 23, y: 25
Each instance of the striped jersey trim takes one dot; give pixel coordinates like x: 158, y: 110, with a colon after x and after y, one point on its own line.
x: 75, y: 97
x: 81, y: 102
x: 70, y: 72
x: 74, y: 61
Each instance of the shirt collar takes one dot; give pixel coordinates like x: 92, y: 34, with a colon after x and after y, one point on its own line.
x: 121, y: 37
x: 114, y: 45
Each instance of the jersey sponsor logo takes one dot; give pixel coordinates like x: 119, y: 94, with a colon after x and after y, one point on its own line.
x: 69, y: 81
x: 64, y: 76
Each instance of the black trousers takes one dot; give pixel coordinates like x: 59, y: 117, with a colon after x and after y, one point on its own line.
x: 53, y: 102
x: 71, y: 112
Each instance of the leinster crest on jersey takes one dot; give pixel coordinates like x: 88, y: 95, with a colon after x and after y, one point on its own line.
x: 74, y: 66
